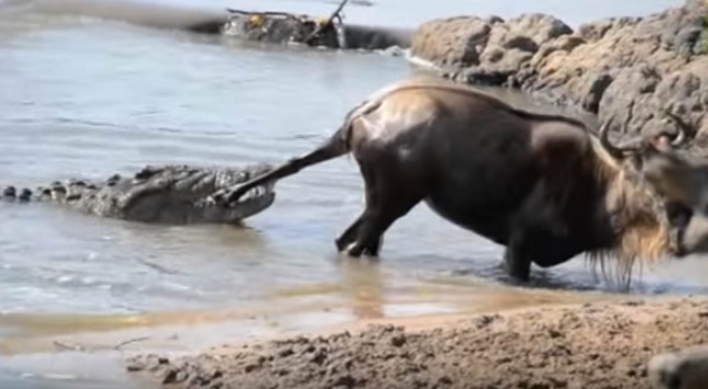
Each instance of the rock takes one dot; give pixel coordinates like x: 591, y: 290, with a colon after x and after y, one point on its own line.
x: 541, y: 28
x: 685, y: 369
x: 454, y: 43
x: 626, y: 69
x: 466, y: 41
x: 565, y: 43
x: 520, y: 42
x: 398, y: 340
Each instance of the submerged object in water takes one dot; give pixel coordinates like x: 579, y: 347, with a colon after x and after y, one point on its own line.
x: 274, y: 27
x: 329, y: 32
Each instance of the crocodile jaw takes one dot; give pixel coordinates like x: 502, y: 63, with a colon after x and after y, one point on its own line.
x: 262, y: 198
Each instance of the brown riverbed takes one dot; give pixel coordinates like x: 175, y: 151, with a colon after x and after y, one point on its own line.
x: 590, y: 346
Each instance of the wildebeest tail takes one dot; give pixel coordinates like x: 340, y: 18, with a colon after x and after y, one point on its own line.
x: 336, y: 146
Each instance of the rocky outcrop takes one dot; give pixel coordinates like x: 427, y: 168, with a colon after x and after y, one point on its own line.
x: 170, y: 194
x: 627, y: 70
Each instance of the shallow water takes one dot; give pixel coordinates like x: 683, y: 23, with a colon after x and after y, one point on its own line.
x: 86, y: 98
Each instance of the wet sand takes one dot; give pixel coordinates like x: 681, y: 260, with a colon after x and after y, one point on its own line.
x: 592, y: 345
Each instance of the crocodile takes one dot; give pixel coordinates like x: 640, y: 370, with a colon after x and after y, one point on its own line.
x: 162, y: 194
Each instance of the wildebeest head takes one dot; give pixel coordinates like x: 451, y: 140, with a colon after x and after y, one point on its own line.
x: 681, y: 180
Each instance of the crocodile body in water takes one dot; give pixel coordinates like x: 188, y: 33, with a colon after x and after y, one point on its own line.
x: 168, y: 194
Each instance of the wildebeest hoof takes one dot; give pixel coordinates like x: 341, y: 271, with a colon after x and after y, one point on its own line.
x: 516, y: 277
x: 357, y: 250
x: 352, y: 250
x: 341, y: 245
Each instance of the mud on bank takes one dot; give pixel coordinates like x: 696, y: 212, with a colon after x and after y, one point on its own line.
x: 591, y: 346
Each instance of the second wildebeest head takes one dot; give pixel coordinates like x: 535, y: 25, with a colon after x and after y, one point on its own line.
x: 545, y: 186
x: 681, y: 179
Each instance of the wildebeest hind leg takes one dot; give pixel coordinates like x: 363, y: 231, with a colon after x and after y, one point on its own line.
x: 389, y: 196
x: 350, y: 234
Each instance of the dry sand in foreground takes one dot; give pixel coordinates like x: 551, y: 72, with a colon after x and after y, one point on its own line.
x: 590, y: 346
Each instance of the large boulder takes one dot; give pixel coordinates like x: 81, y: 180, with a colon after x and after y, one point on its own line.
x: 472, y: 43
x: 627, y: 70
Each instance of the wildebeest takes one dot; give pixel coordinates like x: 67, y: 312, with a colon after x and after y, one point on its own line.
x: 544, y: 186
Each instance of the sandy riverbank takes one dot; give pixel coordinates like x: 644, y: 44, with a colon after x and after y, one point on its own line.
x: 595, y: 345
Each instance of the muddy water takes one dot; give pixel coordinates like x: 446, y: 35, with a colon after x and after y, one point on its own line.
x: 85, y: 98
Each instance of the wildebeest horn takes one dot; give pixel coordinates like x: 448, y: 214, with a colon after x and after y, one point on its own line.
x: 615, y: 151
x: 683, y: 128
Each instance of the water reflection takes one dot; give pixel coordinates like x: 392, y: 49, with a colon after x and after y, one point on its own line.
x: 363, y: 284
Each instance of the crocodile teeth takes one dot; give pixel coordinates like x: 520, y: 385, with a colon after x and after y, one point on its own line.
x: 254, y: 193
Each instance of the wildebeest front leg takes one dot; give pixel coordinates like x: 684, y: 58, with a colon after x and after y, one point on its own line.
x: 516, y: 259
